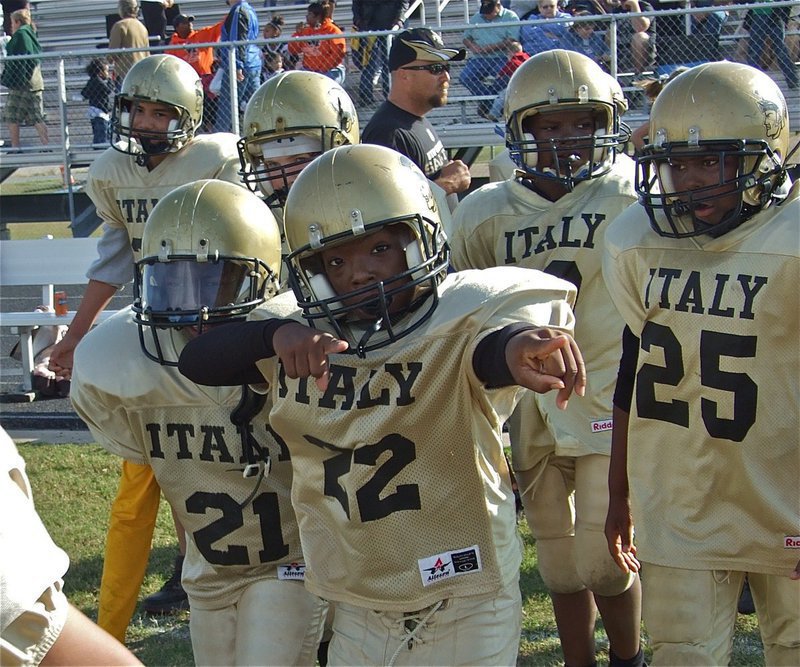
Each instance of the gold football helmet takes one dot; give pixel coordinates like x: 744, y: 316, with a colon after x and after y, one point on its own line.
x: 715, y: 110
x: 292, y: 114
x: 348, y: 192
x: 560, y: 80
x: 211, y: 252
x: 167, y: 80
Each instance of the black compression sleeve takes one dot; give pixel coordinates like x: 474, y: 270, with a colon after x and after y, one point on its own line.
x: 227, y: 355
x: 489, y: 359
x: 626, y: 375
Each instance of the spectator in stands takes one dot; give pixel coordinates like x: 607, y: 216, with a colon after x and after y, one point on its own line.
x: 127, y: 33
x: 708, y: 23
x: 202, y: 59
x: 272, y: 30
x: 652, y: 89
x: 517, y: 56
x: 635, y: 42
x: 543, y: 37
x: 767, y: 23
x: 98, y: 92
x: 273, y: 65
x: 154, y: 16
x: 376, y: 15
x: 420, y: 65
x: 24, y: 81
x: 9, y: 7
x: 241, y: 24
x: 488, y: 48
x: 324, y: 56
x: 581, y: 37
x: 793, y: 40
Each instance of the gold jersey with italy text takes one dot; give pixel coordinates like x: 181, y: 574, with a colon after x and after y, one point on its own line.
x: 152, y: 415
x: 714, y: 437
x: 400, y: 486
x: 507, y: 223
x: 124, y: 193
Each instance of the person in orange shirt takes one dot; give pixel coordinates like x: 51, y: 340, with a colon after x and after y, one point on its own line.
x: 202, y: 59
x: 325, y: 56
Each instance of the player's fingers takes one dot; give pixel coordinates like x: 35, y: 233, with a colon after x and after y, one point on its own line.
x: 318, y: 358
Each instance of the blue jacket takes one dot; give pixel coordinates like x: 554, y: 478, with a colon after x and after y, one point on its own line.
x: 241, y: 24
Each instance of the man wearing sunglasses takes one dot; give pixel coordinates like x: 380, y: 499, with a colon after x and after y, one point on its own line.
x: 420, y: 70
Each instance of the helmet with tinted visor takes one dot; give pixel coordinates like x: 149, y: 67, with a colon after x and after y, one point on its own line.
x: 210, y: 254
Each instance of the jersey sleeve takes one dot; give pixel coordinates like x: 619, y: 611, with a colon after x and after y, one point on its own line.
x: 32, y: 608
x: 103, y: 194
x: 115, y: 262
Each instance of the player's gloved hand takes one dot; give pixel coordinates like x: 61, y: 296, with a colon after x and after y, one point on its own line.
x: 619, y: 534
x: 304, y: 351
x: 545, y: 359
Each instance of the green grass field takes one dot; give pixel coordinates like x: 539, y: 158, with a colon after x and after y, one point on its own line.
x: 73, y: 488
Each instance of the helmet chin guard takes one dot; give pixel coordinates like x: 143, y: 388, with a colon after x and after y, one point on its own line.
x: 369, y: 188
x: 738, y: 112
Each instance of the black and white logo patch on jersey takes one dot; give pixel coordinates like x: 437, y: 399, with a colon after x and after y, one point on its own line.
x: 449, y: 564
x: 292, y: 572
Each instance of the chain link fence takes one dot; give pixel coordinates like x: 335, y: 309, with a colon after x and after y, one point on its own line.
x: 78, y: 126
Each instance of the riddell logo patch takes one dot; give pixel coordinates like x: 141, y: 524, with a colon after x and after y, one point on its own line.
x: 602, y: 425
x: 791, y: 542
x: 292, y: 572
x: 449, y: 564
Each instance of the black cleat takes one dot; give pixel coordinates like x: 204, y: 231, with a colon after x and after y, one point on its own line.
x: 171, y: 598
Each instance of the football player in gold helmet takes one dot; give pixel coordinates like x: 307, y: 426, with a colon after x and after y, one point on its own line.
x: 289, y: 120
x: 210, y: 254
x: 376, y: 454
x: 155, y: 149
x: 705, y: 452
x: 565, y: 132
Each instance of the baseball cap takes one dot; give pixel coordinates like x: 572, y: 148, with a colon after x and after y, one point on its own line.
x: 181, y: 18
x: 421, y: 44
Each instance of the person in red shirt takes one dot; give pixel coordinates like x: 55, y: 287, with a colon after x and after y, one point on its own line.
x: 325, y: 56
x: 516, y: 57
x: 202, y: 59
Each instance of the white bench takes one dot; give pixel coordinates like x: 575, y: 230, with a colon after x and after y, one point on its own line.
x: 46, y: 262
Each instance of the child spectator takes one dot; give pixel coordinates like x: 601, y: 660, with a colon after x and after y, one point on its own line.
x: 581, y: 37
x: 273, y: 30
x: 273, y: 65
x: 516, y: 58
x: 325, y: 56
x: 98, y: 92
x: 651, y: 88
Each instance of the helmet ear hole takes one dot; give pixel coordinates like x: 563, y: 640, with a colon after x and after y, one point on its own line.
x: 413, y: 254
x: 665, y: 177
x: 530, y: 158
x: 322, y: 290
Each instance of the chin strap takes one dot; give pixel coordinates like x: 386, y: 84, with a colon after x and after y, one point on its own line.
x: 250, y: 404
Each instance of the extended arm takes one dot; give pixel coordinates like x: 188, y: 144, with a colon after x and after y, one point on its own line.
x: 537, y: 358
x: 619, y: 522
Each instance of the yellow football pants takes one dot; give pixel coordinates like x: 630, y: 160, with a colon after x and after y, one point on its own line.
x: 130, y: 535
